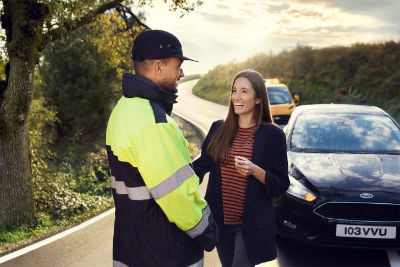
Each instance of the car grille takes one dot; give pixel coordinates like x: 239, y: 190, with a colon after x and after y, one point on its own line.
x: 359, y: 211
x: 281, y: 119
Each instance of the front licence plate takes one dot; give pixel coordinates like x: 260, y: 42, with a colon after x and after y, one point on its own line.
x: 366, y: 231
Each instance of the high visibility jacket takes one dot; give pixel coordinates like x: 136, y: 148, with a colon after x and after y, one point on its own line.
x: 160, y: 217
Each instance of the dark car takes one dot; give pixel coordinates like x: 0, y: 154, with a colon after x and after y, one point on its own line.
x: 344, y: 170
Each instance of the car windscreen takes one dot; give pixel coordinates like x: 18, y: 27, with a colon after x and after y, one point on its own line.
x: 353, y: 133
x: 278, y: 95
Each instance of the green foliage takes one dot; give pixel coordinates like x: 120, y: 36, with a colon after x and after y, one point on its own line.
x: 360, y: 74
x: 193, y: 140
x: 80, y: 74
x: 193, y: 150
x: 64, y: 10
x: 78, y: 80
x: 2, y: 67
x: 62, y: 196
x: 60, y: 193
x: 105, y: 34
x: 93, y: 178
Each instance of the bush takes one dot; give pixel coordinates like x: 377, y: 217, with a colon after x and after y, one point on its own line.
x: 93, y: 178
x: 60, y: 193
x: 78, y: 79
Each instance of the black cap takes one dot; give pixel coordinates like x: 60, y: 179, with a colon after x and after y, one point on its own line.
x: 157, y: 44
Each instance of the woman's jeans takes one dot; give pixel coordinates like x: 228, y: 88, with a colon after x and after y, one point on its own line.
x: 240, y: 258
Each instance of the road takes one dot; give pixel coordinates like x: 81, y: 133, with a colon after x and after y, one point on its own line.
x: 91, y: 244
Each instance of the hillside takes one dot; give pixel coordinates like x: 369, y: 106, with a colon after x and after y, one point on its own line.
x: 360, y: 74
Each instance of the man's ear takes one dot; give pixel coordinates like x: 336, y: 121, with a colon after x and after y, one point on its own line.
x: 158, y: 67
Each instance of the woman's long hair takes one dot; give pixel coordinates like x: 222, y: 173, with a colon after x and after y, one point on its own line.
x: 222, y: 140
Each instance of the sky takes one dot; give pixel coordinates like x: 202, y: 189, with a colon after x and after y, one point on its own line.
x: 223, y: 31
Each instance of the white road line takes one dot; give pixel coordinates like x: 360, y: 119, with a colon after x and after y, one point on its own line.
x: 55, y: 237
x: 394, y: 258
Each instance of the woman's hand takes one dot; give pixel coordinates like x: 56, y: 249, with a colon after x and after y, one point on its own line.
x: 245, y: 167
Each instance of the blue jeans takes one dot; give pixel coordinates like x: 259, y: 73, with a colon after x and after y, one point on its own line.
x: 240, y: 258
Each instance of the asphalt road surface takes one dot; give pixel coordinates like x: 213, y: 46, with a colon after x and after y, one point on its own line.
x: 91, y: 244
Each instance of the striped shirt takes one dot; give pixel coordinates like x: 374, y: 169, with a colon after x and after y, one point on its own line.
x: 233, y: 183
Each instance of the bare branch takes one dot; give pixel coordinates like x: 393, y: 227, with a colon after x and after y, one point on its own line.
x: 129, y: 18
x: 71, y: 25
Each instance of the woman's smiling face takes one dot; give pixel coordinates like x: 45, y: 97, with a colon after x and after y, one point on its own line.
x: 243, y: 97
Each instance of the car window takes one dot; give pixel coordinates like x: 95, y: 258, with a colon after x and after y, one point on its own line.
x: 360, y: 133
x: 278, y: 95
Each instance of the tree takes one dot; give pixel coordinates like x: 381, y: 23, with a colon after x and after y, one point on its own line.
x: 78, y: 80
x: 80, y: 74
x: 30, y: 26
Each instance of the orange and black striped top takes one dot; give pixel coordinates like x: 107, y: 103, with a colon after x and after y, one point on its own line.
x: 234, y: 184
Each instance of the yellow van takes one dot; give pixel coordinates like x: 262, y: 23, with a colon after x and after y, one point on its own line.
x: 281, y: 101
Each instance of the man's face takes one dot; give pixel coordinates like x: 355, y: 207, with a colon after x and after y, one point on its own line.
x: 171, y: 74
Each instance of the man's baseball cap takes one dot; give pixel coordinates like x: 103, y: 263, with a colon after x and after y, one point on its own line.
x: 157, y: 44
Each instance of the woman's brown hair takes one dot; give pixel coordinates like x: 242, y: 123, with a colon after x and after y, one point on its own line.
x: 222, y: 140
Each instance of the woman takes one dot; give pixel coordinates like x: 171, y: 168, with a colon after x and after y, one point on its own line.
x: 246, y: 158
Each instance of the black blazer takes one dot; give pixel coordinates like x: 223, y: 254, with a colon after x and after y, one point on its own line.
x: 269, y: 152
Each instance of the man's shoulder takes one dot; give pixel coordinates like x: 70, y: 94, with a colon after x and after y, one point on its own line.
x: 133, y: 107
x: 132, y: 111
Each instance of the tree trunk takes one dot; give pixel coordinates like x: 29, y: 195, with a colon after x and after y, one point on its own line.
x: 23, y: 21
x: 16, y: 196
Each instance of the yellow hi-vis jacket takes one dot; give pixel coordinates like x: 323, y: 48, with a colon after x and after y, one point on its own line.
x: 161, y: 219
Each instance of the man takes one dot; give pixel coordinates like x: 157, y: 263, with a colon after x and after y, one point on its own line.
x: 160, y: 217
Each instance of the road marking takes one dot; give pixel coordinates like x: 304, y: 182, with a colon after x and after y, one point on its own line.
x: 55, y: 237
x: 394, y: 258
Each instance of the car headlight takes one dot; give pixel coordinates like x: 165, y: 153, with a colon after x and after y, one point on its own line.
x: 298, y: 190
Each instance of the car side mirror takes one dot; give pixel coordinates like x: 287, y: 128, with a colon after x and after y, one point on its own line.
x: 296, y: 99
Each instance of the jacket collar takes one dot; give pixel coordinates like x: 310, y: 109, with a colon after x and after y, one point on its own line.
x: 134, y: 85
